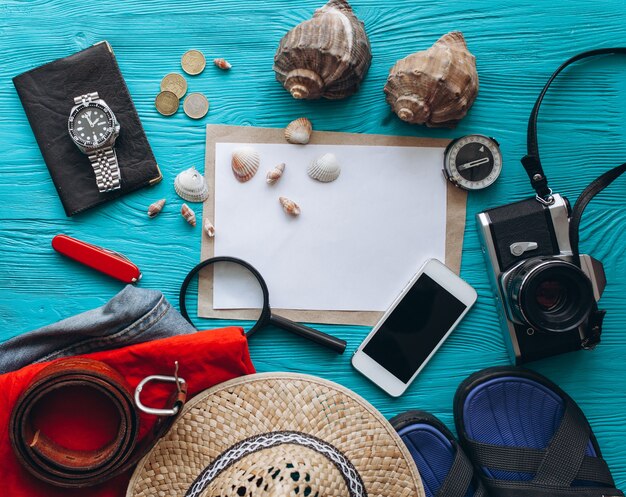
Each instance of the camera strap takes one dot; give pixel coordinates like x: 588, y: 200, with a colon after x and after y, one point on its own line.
x: 597, y: 315
x: 539, y: 182
x: 531, y: 161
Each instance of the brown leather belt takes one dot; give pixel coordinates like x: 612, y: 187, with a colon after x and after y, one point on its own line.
x: 65, y: 467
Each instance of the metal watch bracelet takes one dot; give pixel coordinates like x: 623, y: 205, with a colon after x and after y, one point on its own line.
x: 87, y: 98
x: 104, y: 160
x: 104, y: 163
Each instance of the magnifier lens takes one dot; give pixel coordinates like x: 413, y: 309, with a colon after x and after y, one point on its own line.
x: 235, y: 291
x: 238, y: 288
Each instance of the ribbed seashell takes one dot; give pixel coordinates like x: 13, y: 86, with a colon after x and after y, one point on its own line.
x: 326, y: 56
x: 274, y: 174
x: 156, y: 207
x: 209, y: 229
x: 189, y: 215
x: 325, y: 168
x: 435, y: 87
x: 245, y: 163
x: 299, y: 131
x: 191, y: 186
x: 289, y: 206
x: 222, y: 64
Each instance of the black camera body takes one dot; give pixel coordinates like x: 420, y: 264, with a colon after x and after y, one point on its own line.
x: 546, y: 302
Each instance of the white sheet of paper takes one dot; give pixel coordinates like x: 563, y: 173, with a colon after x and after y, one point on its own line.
x: 358, y: 240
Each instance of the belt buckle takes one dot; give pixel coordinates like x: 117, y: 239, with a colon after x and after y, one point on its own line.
x: 180, y: 382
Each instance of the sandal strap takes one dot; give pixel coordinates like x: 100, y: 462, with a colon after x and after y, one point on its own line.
x: 523, y: 460
x: 480, y: 491
x: 566, y: 451
x: 562, y: 462
x: 502, y: 488
x: 459, y: 478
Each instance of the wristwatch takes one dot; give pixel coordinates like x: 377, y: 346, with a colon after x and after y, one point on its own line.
x: 94, y: 129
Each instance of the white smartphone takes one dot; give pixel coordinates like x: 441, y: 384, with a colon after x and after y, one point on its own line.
x: 414, y: 327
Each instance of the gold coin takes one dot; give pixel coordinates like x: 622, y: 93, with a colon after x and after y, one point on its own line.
x: 167, y: 103
x: 196, y: 105
x: 175, y: 83
x: 193, y: 62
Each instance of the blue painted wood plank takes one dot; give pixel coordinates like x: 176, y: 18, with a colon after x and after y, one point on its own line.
x: 518, y: 43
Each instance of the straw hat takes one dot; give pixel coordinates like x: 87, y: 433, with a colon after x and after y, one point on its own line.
x: 278, y: 435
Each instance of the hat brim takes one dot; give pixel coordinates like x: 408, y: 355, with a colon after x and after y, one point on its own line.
x: 225, y: 415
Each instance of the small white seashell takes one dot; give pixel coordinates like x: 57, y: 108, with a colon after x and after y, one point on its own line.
x: 222, y: 64
x: 191, y: 186
x: 189, y: 215
x: 156, y: 207
x: 209, y: 229
x: 325, y: 168
x: 289, y: 206
x: 274, y: 175
x: 299, y: 131
x: 245, y: 163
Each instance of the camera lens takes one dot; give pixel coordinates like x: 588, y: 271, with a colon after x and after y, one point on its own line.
x: 550, y: 294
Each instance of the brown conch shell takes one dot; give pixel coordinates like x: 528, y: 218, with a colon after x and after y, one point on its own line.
x: 326, y: 56
x: 435, y: 87
x: 189, y: 215
x: 156, y: 207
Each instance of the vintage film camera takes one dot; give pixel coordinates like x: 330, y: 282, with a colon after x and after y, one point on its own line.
x: 546, y: 302
x: 546, y: 291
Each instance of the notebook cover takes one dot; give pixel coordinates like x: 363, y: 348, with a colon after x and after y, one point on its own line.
x: 47, y: 94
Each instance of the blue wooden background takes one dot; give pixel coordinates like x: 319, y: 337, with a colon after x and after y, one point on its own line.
x: 517, y: 43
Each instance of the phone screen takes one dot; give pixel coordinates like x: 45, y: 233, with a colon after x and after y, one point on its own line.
x: 414, y: 328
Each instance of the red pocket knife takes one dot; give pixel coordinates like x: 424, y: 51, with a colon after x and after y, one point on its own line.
x: 104, y: 260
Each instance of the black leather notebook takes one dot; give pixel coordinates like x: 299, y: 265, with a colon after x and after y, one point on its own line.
x: 47, y: 94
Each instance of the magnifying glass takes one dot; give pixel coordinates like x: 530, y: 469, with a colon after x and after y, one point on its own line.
x: 240, y: 276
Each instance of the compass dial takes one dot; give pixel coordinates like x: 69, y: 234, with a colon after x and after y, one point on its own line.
x: 473, y: 162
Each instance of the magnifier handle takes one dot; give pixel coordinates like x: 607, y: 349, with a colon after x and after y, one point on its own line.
x: 316, y: 336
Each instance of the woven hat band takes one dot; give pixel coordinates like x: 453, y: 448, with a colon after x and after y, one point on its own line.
x: 279, y: 464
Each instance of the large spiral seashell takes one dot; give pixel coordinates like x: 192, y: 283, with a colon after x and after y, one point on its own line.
x: 325, y: 168
x: 435, y: 87
x: 191, y: 186
x: 299, y: 131
x: 245, y: 163
x: 326, y: 56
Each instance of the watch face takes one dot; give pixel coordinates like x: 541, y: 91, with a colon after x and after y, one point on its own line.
x: 91, y: 125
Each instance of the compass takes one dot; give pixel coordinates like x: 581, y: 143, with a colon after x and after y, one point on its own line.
x: 472, y: 162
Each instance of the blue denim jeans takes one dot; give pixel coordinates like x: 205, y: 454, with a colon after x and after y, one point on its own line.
x: 134, y: 315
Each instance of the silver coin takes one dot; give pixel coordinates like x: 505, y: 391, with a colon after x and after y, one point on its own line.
x: 196, y: 105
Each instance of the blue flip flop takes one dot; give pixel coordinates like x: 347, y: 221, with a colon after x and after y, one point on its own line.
x: 528, y: 438
x: 445, y: 469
